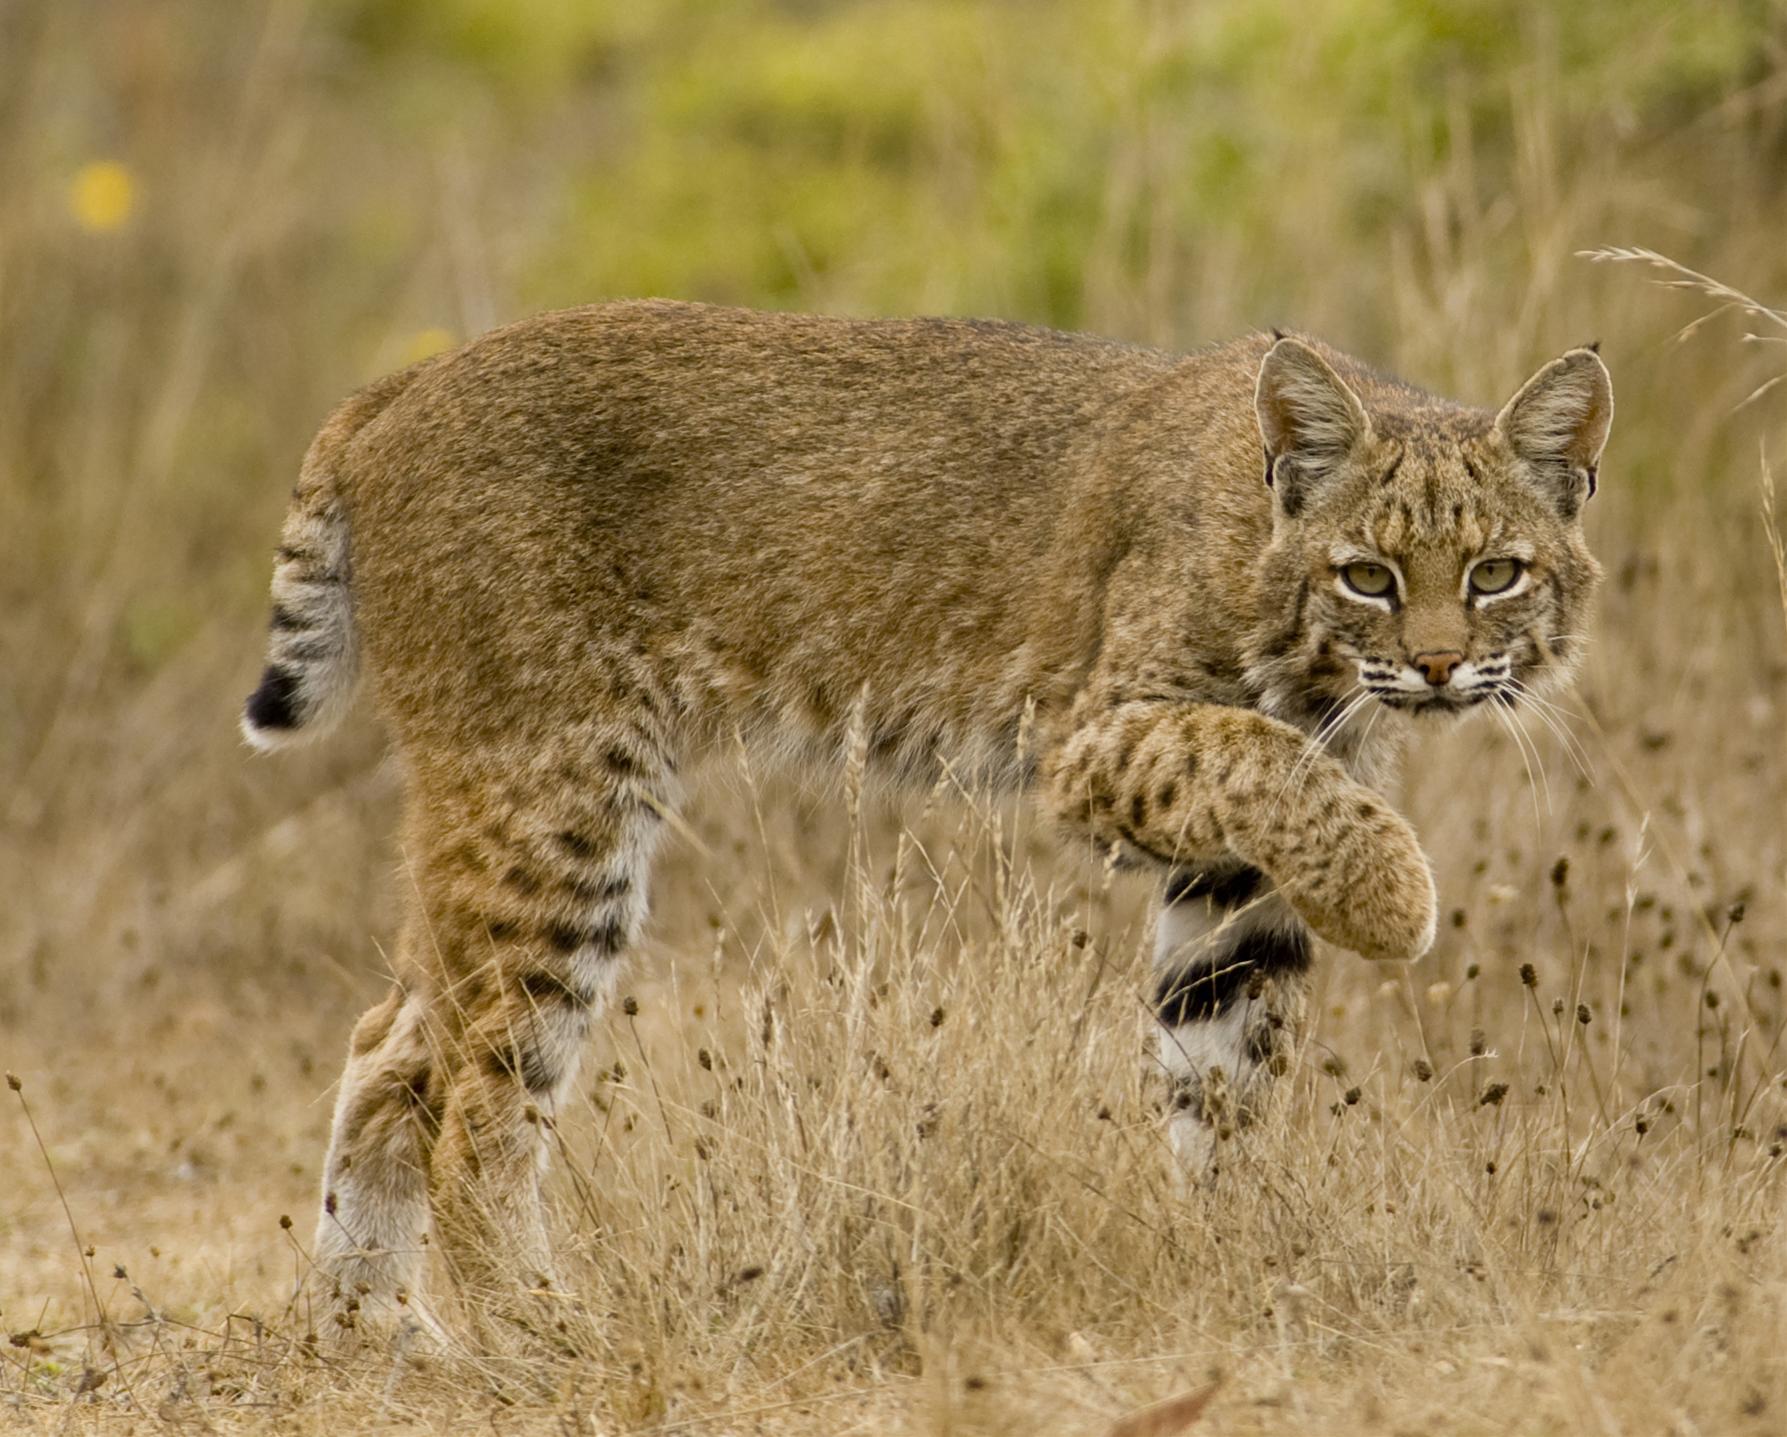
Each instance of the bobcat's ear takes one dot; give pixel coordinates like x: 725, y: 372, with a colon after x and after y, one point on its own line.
x: 1309, y: 420
x: 1558, y: 424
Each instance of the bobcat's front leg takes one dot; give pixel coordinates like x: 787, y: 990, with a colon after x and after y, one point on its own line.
x: 1231, y: 969
x: 1184, y: 783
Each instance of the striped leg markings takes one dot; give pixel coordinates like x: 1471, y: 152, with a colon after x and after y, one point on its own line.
x: 529, y: 889
x: 374, y: 1220
x: 1231, y: 963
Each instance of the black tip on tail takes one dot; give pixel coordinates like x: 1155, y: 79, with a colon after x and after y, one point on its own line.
x: 275, y: 703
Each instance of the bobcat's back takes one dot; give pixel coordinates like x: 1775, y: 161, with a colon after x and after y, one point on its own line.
x: 765, y: 516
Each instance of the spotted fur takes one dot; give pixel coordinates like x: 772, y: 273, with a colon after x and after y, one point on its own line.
x: 583, y: 551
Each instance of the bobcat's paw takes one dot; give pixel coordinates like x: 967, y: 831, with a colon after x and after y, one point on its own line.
x: 1369, y: 887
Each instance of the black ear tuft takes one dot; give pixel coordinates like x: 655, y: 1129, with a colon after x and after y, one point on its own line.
x: 1277, y: 334
x: 1593, y: 346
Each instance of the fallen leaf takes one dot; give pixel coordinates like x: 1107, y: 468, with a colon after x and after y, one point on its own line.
x: 1165, y: 1419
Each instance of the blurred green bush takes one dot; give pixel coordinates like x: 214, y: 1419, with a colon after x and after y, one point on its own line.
x: 965, y: 154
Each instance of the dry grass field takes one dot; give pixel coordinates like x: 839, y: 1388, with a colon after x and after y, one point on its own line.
x: 875, y: 1148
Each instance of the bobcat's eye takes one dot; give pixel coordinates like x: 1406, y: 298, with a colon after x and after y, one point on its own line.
x: 1372, y: 580
x: 1495, y: 576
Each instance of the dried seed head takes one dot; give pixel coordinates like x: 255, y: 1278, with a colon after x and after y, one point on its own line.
x: 1491, y: 1096
x: 1735, y: 913
x: 629, y: 1005
x: 1422, y: 1069
x: 285, y: 1221
x: 1529, y: 975
x: 1479, y: 1042
x: 1583, y: 1016
x: 1560, y: 871
x: 12, y: 1081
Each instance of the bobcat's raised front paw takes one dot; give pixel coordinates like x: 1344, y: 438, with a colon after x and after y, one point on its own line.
x: 1369, y: 887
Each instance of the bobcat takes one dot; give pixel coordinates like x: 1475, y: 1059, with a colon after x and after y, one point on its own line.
x: 583, y: 550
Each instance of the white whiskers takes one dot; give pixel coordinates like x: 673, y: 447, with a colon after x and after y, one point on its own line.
x: 1558, y: 722
x: 1504, y: 716
x: 1319, y: 741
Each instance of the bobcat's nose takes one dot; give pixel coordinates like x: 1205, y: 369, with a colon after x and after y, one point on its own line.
x: 1438, y: 667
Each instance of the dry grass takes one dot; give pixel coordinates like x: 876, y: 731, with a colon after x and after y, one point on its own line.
x: 877, y: 1152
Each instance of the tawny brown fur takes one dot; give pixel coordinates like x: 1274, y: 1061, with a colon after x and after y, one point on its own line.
x: 584, y: 550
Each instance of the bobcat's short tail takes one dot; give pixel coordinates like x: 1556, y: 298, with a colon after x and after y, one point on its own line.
x: 313, y: 650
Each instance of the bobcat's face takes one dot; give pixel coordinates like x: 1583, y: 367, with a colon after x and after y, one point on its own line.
x: 1435, y: 554
x: 1447, y: 582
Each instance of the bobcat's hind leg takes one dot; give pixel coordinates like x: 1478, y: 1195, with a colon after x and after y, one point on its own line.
x: 374, y: 1219
x: 528, y: 886
x: 1231, y: 962
x: 535, y: 935
x: 538, y: 893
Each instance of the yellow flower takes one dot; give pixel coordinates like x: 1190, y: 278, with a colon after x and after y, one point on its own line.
x: 426, y: 343
x: 102, y: 196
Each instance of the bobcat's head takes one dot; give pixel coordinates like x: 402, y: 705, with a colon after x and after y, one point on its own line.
x: 1423, y: 553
